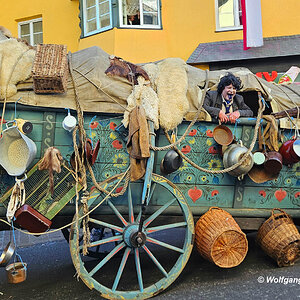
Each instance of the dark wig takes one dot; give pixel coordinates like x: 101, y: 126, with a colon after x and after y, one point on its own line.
x: 229, y: 79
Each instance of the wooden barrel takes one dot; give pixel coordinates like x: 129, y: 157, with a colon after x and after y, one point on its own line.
x: 219, y: 238
x: 279, y: 238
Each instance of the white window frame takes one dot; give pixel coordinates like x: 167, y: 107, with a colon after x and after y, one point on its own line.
x: 146, y: 26
x: 98, y: 29
x: 236, y: 17
x: 30, y: 22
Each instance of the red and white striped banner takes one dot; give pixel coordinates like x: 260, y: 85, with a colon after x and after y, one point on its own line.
x: 252, y: 24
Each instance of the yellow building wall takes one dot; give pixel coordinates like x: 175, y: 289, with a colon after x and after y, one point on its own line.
x: 188, y: 23
x: 60, y: 19
x: 185, y: 24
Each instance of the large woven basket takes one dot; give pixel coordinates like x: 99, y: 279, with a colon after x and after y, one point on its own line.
x: 279, y: 238
x: 219, y: 238
x: 50, y: 69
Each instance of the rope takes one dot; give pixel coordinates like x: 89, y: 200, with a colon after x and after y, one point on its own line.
x: 8, y: 80
x: 259, y: 116
x: 172, y: 145
x: 81, y: 127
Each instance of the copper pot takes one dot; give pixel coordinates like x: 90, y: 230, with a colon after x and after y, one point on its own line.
x: 223, y: 135
x: 273, y: 162
x: 290, y: 151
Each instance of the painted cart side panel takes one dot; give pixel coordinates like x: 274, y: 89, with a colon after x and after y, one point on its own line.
x: 200, y: 189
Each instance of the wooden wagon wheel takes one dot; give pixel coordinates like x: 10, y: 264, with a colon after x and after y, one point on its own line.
x: 97, y: 233
x: 146, y: 269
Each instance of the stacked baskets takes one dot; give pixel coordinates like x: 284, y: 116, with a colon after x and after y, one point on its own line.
x: 279, y: 238
x: 220, y: 239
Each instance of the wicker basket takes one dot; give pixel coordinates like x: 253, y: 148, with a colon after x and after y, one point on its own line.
x: 279, y: 238
x: 219, y: 238
x: 50, y: 69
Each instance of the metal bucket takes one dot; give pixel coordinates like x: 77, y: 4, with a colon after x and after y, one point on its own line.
x: 16, y: 272
x: 17, y: 151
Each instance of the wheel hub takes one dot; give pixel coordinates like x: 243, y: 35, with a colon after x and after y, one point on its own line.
x: 133, y: 238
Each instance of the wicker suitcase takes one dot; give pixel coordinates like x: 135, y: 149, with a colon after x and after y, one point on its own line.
x: 50, y: 69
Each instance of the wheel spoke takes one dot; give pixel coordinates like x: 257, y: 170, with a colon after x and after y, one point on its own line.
x: 158, y: 212
x: 107, y: 258
x: 153, y: 186
x: 164, y: 227
x: 107, y: 225
x: 154, y: 241
x: 117, y: 213
x: 138, y: 268
x: 121, y: 268
x: 130, y: 207
x: 105, y: 241
x: 156, y: 262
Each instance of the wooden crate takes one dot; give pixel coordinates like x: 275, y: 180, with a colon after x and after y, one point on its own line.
x: 50, y: 69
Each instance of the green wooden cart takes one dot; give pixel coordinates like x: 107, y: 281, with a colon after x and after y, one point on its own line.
x: 155, y: 216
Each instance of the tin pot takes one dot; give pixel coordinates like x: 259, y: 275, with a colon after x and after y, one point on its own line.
x: 290, y: 151
x: 233, y: 154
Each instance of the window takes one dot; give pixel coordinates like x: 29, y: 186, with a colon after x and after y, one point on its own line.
x: 139, y: 13
x: 228, y: 15
x: 97, y: 16
x: 31, y: 31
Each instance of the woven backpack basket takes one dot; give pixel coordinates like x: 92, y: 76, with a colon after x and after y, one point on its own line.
x: 279, y: 238
x: 219, y: 238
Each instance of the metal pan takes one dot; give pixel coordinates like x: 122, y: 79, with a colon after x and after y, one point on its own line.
x: 7, y: 254
x: 223, y: 135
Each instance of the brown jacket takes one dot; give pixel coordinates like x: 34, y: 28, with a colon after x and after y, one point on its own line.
x: 213, y: 104
x: 138, y: 145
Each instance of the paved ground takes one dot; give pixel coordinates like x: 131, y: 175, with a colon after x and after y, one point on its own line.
x: 51, y: 275
x: 25, y: 240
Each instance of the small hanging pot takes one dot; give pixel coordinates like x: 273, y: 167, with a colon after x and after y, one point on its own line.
x: 16, y: 272
x: 273, y: 162
x: 259, y: 158
x: 69, y: 122
x: 171, y: 162
x: 290, y: 151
